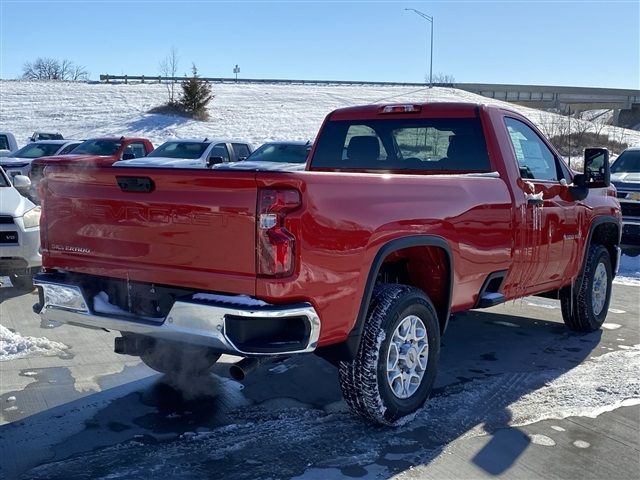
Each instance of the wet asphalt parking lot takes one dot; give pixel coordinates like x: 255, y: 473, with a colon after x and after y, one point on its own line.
x: 517, y: 396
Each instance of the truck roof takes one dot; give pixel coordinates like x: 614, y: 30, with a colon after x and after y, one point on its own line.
x: 135, y: 139
x: 426, y: 109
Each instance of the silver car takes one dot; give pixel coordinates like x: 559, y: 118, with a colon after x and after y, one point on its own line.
x: 19, y: 163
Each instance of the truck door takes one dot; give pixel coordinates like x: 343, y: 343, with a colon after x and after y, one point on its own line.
x: 548, y: 224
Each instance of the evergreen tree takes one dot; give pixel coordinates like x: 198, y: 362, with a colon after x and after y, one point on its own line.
x: 196, y: 94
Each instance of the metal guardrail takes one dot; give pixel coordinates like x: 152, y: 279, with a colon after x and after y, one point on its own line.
x: 159, y: 79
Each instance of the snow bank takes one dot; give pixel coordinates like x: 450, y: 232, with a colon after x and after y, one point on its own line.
x: 13, y: 345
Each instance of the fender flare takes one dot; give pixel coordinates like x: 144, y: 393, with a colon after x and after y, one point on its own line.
x: 348, y: 349
x: 600, y: 220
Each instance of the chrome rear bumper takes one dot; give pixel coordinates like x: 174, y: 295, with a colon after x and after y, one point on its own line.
x: 199, y: 321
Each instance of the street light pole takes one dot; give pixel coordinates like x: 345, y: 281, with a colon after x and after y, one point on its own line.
x: 430, y: 19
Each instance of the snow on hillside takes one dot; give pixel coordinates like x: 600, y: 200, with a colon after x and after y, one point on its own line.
x: 257, y: 113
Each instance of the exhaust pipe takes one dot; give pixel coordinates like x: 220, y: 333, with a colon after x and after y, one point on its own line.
x: 244, y: 367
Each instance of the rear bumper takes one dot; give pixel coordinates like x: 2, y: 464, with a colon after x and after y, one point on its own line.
x: 226, y: 324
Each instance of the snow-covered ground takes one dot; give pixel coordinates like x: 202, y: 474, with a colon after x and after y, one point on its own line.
x: 629, y: 271
x: 257, y: 113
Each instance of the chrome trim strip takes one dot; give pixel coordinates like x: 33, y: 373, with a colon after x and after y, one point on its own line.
x: 195, y: 322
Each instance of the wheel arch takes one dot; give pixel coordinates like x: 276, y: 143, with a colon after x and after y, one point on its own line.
x: 604, y: 230
x: 348, y: 349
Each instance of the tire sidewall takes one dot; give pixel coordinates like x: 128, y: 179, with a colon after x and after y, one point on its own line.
x: 602, y: 256
x: 411, y: 305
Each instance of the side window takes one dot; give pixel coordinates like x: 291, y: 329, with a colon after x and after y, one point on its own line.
x: 68, y: 148
x: 4, y: 142
x: 535, y: 160
x: 242, y: 150
x: 220, y: 150
x: 137, y: 149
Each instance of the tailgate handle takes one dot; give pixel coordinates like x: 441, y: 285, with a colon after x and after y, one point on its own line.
x: 135, y: 184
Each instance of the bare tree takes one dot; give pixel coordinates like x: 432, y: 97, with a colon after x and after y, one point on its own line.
x: 169, y: 68
x: 441, y: 78
x: 46, y: 68
x: 77, y: 73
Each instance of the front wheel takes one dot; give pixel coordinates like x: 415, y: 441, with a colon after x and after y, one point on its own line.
x: 395, y: 366
x: 585, y: 305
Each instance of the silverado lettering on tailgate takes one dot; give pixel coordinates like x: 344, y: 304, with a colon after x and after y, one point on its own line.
x: 142, y: 214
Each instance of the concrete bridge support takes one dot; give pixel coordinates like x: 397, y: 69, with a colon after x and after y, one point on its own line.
x: 628, y: 118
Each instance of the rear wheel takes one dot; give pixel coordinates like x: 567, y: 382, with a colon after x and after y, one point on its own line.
x: 395, y: 365
x: 179, y: 360
x: 585, y: 306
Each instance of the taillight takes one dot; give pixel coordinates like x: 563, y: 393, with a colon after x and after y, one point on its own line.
x: 275, y: 245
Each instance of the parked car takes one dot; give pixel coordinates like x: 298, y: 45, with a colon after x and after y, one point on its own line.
x: 19, y: 163
x: 288, y: 156
x: 404, y: 215
x: 19, y: 232
x: 45, y: 136
x: 191, y: 153
x: 93, y: 152
x: 8, y: 144
x: 625, y: 175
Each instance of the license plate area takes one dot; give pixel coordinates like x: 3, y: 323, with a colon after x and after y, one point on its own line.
x: 9, y: 237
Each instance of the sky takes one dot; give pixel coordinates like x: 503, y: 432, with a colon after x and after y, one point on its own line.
x: 578, y: 43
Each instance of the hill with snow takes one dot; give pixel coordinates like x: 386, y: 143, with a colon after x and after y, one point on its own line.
x: 257, y: 113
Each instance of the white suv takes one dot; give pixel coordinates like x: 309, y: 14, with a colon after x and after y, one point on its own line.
x: 19, y: 232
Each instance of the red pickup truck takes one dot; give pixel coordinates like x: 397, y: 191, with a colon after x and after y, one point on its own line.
x: 102, y: 151
x: 404, y: 215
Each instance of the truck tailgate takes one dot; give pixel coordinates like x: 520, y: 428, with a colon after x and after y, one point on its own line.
x: 194, y: 228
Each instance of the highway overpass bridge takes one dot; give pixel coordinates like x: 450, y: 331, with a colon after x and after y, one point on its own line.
x: 625, y: 103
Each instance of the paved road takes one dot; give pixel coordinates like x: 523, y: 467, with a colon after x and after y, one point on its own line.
x: 517, y: 396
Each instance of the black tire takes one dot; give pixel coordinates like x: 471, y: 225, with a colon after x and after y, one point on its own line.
x: 364, y: 380
x: 175, y: 359
x: 23, y: 279
x: 577, y: 302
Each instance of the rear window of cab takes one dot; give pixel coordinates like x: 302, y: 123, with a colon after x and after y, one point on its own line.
x: 412, y: 145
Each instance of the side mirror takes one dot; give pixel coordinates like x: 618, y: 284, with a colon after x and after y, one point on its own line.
x: 596, y: 167
x: 128, y: 156
x: 21, y: 182
x: 214, y: 161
